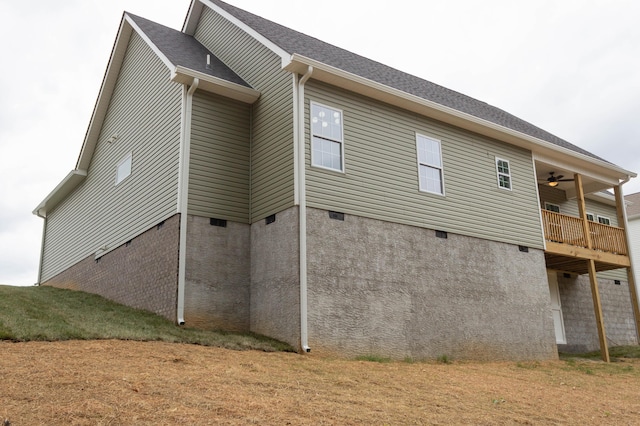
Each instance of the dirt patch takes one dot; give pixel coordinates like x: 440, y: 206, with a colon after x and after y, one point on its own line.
x: 126, y: 382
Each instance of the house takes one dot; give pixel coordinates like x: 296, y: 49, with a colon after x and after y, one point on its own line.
x: 240, y: 175
x: 633, y: 217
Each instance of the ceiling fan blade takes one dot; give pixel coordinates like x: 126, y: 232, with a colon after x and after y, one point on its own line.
x: 566, y: 180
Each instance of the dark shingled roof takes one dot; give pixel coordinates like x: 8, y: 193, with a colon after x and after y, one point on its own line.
x: 184, y: 50
x: 293, y: 41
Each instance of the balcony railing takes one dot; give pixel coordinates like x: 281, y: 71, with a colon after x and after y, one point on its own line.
x: 560, y: 228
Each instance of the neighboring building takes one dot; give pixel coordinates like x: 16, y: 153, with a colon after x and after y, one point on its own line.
x: 633, y: 218
x: 244, y: 176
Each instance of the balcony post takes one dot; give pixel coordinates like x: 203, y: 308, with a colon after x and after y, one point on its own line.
x: 595, y: 295
x: 622, y: 223
x: 582, y: 209
x: 593, y: 279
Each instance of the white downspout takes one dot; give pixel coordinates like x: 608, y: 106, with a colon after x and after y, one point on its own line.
x: 183, y: 193
x: 44, y: 234
x: 302, y: 210
x: 626, y: 231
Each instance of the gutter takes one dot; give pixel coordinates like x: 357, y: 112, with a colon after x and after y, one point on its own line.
x: 340, y: 78
x: 183, y: 192
x: 302, y: 209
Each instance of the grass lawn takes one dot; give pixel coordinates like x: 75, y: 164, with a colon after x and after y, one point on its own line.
x: 52, y: 314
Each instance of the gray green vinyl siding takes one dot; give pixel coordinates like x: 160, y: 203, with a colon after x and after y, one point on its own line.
x: 272, y: 176
x: 381, y: 174
x: 144, y: 113
x: 219, y: 162
x: 570, y: 207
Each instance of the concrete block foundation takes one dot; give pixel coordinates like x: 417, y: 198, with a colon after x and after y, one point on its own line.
x: 393, y: 290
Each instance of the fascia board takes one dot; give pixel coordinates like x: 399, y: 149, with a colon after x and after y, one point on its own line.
x: 147, y: 40
x: 284, y: 55
x: 104, y: 95
x: 335, y: 76
x: 64, y: 188
x: 193, y: 17
x: 215, y: 85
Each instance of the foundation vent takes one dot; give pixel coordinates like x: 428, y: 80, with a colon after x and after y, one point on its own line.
x: 523, y: 249
x: 160, y: 225
x: 442, y: 234
x: 270, y: 219
x: 218, y: 222
x: 616, y: 282
x: 336, y: 215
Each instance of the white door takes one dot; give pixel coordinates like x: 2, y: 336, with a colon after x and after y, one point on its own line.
x: 556, y: 307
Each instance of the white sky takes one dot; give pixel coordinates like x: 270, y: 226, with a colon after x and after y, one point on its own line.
x: 571, y: 67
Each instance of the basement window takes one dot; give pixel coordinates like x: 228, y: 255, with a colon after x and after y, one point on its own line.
x: 336, y: 215
x: 218, y: 222
x: 270, y: 219
x: 442, y: 234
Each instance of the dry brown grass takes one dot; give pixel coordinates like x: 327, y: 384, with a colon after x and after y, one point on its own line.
x: 136, y: 383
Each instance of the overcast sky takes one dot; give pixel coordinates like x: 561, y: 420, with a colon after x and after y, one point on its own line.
x: 571, y: 67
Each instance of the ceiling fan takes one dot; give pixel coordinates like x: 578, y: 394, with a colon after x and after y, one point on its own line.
x: 553, y: 180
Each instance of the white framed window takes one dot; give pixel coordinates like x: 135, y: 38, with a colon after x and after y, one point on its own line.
x: 327, y: 141
x: 604, y: 220
x: 591, y: 217
x: 123, y: 169
x: 430, y: 170
x: 552, y: 207
x: 503, y: 171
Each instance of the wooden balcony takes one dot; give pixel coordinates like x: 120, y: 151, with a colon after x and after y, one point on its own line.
x: 568, y: 249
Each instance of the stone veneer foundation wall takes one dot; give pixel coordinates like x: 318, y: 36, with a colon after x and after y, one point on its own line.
x: 142, y: 273
x: 275, y: 289
x: 579, y: 317
x: 218, y: 274
x: 394, y: 290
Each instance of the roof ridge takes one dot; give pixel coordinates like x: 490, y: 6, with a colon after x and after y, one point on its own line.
x: 293, y: 41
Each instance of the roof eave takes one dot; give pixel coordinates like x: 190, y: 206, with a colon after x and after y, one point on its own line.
x: 64, y: 188
x: 337, y: 77
x: 215, y: 85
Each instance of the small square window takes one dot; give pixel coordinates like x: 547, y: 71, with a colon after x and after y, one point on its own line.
x: 123, y: 170
x: 504, y: 174
x: 591, y: 217
x: 552, y: 207
x: 604, y: 220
